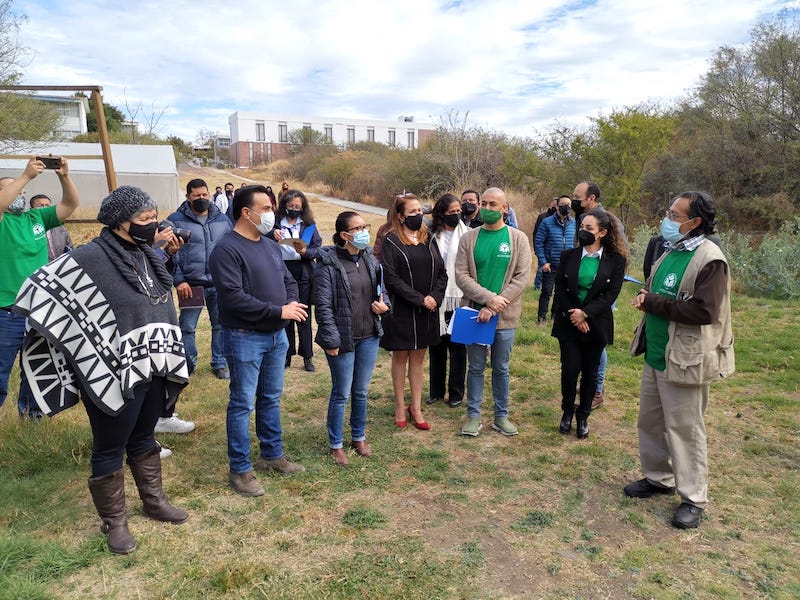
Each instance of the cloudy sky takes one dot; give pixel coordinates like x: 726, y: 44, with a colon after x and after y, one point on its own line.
x: 514, y: 65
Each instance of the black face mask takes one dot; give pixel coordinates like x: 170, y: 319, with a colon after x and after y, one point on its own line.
x: 201, y: 205
x: 576, y: 206
x: 293, y: 214
x: 585, y: 238
x: 414, y: 222
x: 143, y: 234
x: 451, y: 220
x: 563, y: 210
x: 468, y: 208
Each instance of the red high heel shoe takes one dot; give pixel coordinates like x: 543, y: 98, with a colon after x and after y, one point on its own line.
x: 400, y: 424
x: 423, y: 425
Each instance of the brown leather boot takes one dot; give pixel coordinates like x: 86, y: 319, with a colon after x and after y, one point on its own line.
x: 108, y: 494
x: 146, y: 470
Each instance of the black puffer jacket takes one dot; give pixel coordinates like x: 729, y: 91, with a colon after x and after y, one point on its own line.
x: 333, y: 300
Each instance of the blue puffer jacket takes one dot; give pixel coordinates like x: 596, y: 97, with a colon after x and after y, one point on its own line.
x: 191, y: 261
x: 333, y: 300
x: 552, y: 238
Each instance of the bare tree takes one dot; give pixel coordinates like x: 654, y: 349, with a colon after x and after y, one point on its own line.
x: 148, y: 121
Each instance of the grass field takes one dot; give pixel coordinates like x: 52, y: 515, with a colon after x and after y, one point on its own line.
x: 432, y: 514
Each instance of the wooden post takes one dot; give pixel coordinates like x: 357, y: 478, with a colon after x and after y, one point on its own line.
x: 100, y: 115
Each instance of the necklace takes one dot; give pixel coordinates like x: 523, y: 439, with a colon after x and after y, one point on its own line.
x: 149, y: 289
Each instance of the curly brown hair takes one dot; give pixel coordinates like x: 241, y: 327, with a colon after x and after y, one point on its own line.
x: 614, y: 239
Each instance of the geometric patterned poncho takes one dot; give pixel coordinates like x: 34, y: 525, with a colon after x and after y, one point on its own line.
x: 90, y: 330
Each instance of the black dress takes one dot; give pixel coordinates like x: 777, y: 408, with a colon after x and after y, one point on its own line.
x: 410, y: 273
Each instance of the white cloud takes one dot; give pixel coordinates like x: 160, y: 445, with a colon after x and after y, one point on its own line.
x: 514, y: 66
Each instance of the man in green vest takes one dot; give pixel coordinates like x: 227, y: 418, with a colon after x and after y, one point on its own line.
x: 685, y: 335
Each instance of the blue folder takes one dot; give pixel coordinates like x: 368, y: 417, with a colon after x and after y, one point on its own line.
x: 467, y: 330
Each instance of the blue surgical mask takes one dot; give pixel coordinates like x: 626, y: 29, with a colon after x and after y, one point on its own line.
x: 670, y: 230
x: 360, y: 239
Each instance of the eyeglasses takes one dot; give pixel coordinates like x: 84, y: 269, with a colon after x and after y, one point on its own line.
x: 673, y: 217
x: 360, y: 228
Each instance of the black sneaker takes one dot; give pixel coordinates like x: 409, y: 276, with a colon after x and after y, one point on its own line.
x: 644, y: 489
x: 454, y: 403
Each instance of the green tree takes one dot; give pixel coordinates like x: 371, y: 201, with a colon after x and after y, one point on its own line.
x: 23, y: 119
x: 623, y: 145
x: 114, y: 118
x: 304, y: 137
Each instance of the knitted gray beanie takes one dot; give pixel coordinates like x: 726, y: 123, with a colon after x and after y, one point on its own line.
x: 123, y: 204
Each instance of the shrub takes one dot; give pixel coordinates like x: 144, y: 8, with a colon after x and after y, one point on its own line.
x: 769, y: 268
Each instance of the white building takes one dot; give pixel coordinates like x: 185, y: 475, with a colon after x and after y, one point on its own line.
x: 261, y: 137
x: 73, y: 113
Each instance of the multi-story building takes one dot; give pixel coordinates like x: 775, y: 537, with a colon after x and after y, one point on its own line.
x: 73, y: 113
x: 260, y: 138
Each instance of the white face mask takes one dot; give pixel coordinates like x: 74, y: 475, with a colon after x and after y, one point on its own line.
x: 266, y: 224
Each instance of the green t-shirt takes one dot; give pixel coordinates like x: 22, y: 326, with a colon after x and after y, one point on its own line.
x: 666, y: 282
x: 586, y: 274
x: 492, y: 256
x: 23, y: 248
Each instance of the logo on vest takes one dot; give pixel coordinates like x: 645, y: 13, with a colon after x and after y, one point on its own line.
x: 670, y: 281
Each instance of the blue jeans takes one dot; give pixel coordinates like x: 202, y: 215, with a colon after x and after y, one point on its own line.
x: 351, y: 373
x: 501, y: 355
x: 12, y: 333
x: 188, y: 324
x: 256, y: 361
x: 601, y: 371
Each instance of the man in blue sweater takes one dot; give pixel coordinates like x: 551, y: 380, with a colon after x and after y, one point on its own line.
x: 555, y: 234
x: 257, y: 298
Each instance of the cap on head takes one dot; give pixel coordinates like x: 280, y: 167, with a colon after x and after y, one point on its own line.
x: 123, y: 204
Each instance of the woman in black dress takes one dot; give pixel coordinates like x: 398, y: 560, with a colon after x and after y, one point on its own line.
x: 415, y: 279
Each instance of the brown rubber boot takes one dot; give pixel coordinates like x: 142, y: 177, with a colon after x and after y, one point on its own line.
x: 146, y: 470
x: 108, y: 494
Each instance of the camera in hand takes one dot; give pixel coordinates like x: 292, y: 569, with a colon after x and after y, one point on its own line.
x: 184, y: 234
x: 50, y: 162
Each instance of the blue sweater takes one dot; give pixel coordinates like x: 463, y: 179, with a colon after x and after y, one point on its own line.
x: 552, y: 238
x: 252, y: 283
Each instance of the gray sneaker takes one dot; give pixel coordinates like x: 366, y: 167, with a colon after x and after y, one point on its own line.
x: 472, y: 426
x: 504, y: 426
x: 246, y: 484
x: 279, y: 465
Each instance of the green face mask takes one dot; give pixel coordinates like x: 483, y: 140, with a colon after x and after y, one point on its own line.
x: 490, y: 217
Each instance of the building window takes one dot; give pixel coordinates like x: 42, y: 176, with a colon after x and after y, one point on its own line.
x: 329, y: 134
x: 392, y: 141
x: 370, y: 134
x: 260, y: 131
x: 283, y: 132
x: 351, y: 135
x: 410, y: 139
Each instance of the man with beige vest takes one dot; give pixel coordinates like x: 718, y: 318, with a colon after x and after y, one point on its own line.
x: 687, y: 341
x: 493, y: 268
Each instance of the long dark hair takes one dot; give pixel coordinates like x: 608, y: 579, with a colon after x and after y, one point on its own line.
x: 306, y: 215
x: 343, y: 224
x: 441, y: 206
x: 613, y: 239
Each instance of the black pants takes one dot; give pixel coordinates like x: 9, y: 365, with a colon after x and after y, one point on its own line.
x: 548, y: 283
x: 304, y: 283
x: 438, y: 368
x: 579, y: 358
x: 131, y: 430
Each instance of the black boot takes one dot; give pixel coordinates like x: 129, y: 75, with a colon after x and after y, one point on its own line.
x: 566, y: 423
x: 108, y: 494
x: 582, y: 428
x: 146, y: 470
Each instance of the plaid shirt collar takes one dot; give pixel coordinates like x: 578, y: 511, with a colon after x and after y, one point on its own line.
x: 691, y: 244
